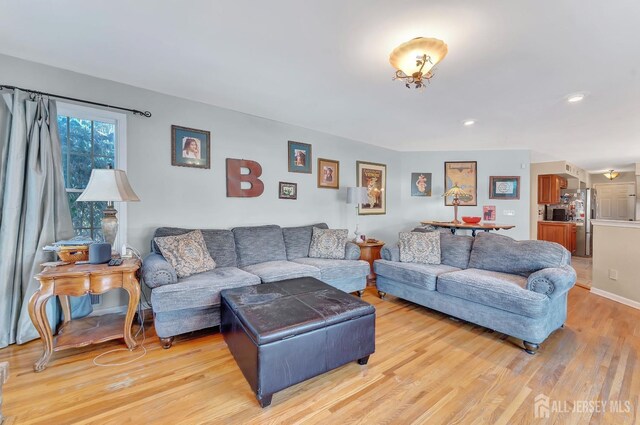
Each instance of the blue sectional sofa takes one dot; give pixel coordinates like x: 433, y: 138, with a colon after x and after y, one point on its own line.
x: 515, y: 287
x: 244, y: 256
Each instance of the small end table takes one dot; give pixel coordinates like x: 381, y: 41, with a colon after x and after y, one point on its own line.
x: 77, y: 280
x: 370, y: 252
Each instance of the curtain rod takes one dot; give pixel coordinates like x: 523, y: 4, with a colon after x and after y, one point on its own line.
x: 36, y: 92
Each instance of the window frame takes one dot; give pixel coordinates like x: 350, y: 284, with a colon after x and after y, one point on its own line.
x: 120, y: 120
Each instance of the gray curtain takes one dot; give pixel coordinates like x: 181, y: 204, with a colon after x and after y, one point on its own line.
x: 34, y: 210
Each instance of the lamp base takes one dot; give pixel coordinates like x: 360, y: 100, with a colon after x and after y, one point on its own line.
x: 109, y: 225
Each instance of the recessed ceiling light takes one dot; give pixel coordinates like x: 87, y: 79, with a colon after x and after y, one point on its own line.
x: 576, y: 97
x: 468, y: 123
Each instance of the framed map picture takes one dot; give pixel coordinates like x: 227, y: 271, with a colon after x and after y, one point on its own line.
x: 504, y: 187
x: 374, y: 177
x: 299, y: 157
x: 328, y: 173
x: 420, y: 184
x: 464, y: 175
x: 190, y: 147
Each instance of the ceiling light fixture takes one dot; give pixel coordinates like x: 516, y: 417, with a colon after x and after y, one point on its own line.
x: 611, y: 174
x: 574, y: 98
x: 468, y: 123
x: 415, y: 59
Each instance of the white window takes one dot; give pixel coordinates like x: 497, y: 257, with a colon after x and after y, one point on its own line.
x: 91, y: 138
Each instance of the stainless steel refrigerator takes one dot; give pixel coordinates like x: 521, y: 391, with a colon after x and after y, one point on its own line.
x: 584, y: 240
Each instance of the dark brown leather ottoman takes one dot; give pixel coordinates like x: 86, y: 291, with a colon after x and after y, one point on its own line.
x: 283, y: 333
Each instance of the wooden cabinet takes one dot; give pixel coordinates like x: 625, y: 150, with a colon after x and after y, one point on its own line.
x: 560, y: 232
x: 549, y: 187
x: 370, y: 252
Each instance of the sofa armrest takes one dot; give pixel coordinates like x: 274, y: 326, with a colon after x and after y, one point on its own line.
x: 390, y: 253
x: 156, y: 271
x: 351, y: 251
x: 552, y: 282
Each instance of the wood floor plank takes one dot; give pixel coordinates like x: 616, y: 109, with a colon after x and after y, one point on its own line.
x: 427, y: 368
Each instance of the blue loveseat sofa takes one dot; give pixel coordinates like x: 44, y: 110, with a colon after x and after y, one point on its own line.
x: 518, y: 288
x: 244, y: 256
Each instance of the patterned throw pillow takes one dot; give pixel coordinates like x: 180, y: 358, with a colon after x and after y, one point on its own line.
x: 418, y: 247
x: 328, y: 243
x: 187, y: 253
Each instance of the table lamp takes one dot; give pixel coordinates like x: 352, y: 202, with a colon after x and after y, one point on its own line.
x: 109, y: 185
x: 456, y: 192
x: 357, y: 196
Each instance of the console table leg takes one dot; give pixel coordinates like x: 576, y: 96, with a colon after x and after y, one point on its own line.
x: 473, y: 232
x: 38, y: 314
x: 133, y: 289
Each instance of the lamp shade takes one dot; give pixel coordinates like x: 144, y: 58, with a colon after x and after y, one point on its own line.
x: 456, y: 192
x: 357, y: 195
x: 403, y: 57
x: 108, y: 185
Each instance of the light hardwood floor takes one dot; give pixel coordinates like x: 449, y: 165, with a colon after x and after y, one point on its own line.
x: 427, y: 368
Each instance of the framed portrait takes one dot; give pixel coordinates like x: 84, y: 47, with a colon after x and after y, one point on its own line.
x: 420, y: 184
x: 288, y: 190
x: 464, y: 174
x: 190, y: 147
x: 489, y: 213
x: 374, y: 177
x: 504, y: 187
x: 328, y: 173
x: 299, y: 157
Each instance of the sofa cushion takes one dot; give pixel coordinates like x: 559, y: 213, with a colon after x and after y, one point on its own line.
x: 328, y: 243
x: 259, y: 244
x: 186, y: 253
x: 502, y: 254
x: 420, y: 275
x: 298, y: 239
x: 420, y: 247
x: 337, y: 269
x: 220, y: 243
x: 454, y: 249
x: 200, y: 290
x: 274, y: 271
x: 494, y: 289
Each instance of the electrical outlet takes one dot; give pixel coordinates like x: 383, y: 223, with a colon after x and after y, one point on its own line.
x: 508, y: 212
x: 613, y: 274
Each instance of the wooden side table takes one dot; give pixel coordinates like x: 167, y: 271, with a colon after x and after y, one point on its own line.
x: 370, y: 252
x: 76, y: 280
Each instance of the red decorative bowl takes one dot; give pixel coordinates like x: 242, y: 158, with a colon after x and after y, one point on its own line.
x: 471, y: 220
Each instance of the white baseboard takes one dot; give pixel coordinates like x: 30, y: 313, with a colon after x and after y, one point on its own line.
x: 616, y: 298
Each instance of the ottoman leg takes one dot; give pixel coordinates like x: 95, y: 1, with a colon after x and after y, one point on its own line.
x: 264, y: 400
x: 363, y: 360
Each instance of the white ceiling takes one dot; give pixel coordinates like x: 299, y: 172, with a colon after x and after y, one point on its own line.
x: 323, y: 65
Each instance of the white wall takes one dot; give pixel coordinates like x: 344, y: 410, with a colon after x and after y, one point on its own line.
x: 179, y: 196
x: 490, y: 163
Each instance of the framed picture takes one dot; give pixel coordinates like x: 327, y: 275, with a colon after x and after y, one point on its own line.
x: 489, y: 213
x: 374, y: 177
x: 420, y: 184
x: 299, y: 156
x: 328, y: 173
x: 190, y: 147
x: 463, y: 174
x: 504, y: 187
x: 288, y: 190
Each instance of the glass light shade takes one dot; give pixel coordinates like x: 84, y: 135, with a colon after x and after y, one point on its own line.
x: 404, y: 56
x: 108, y: 185
x: 456, y: 192
x: 611, y: 174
